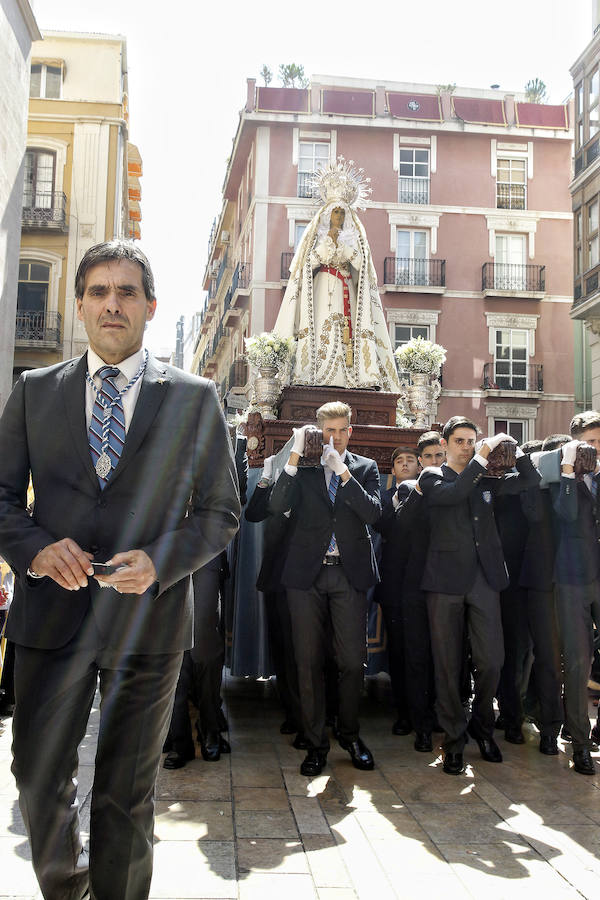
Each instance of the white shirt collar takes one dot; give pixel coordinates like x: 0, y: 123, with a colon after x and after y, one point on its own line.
x: 128, y: 367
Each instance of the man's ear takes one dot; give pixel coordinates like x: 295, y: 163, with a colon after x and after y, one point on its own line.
x: 349, y: 430
x: 443, y: 442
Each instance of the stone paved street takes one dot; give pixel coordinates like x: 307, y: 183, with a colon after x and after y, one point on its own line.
x: 250, y: 826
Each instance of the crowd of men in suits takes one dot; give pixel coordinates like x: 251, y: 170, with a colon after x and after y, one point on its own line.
x: 489, y: 588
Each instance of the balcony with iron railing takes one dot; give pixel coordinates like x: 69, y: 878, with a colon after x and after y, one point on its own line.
x: 586, y: 295
x: 507, y: 375
x: 240, y: 283
x: 304, y: 186
x: 38, y: 329
x: 511, y: 196
x: 412, y: 274
x: 238, y: 373
x: 513, y: 279
x: 44, y: 210
x: 413, y: 190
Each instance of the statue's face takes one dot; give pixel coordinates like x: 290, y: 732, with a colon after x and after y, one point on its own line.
x: 337, y: 217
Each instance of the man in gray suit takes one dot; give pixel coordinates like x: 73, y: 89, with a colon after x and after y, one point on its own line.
x: 131, y: 465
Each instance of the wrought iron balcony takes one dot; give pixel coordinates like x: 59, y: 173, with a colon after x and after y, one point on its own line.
x: 33, y: 327
x: 305, y: 184
x: 241, y: 277
x: 412, y: 272
x: 513, y: 375
x: 413, y: 190
x: 44, y: 210
x: 511, y: 196
x: 513, y: 277
x: 286, y: 261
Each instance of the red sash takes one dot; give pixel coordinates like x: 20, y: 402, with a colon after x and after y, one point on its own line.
x: 339, y: 275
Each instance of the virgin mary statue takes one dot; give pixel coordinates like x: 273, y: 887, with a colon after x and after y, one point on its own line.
x: 331, y: 305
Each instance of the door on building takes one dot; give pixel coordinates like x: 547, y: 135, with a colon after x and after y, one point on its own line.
x: 39, y: 179
x: 510, y: 271
x: 411, y: 257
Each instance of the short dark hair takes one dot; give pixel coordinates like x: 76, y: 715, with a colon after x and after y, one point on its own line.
x: 114, y: 250
x: 553, y: 441
x: 458, y: 422
x: 531, y: 446
x: 405, y: 449
x: 427, y: 439
x: 582, y: 421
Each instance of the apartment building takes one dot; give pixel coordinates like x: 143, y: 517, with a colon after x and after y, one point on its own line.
x: 469, y: 222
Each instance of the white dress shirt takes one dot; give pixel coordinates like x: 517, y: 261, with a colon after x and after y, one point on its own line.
x: 127, y: 369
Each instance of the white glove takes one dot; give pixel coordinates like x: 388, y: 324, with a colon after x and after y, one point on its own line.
x: 492, y: 442
x: 299, y: 437
x: 267, y: 472
x: 332, y: 459
x: 519, y: 453
x: 569, y: 451
x: 395, y: 501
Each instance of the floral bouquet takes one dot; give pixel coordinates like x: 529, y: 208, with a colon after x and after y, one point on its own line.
x: 269, y: 350
x: 421, y: 356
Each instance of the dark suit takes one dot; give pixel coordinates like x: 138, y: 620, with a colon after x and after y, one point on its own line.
x: 319, y: 594
x: 464, y: 572
x: 577, y: 571
x: 174, y: 495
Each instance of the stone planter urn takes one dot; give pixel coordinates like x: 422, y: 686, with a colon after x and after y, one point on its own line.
x: 420, y: 394
x: 267, y: 389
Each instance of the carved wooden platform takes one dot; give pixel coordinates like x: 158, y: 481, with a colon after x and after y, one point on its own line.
x: 374, y: 433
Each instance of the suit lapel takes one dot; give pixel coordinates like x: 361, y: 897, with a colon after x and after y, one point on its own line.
x: 155, y: 384
x: 73, y: 390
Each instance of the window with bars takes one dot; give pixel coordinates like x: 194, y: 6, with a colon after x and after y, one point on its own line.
x: 413, y: 175
x: 511, y: 183
x: 38, y: 184
x: 312, y: 156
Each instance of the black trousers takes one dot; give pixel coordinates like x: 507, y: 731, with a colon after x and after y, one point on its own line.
x: 578, y: 607
x: 446, y: 621
x: 330, y: 601
x: 54, y: 693
x: 517, y: 644
x: 418, y: 661
x: 393, y: 618
x: 546, y: 669
x: 281, y: 646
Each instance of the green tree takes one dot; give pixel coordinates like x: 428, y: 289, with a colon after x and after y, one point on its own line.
x: 293, y: 76
x: 266, y: 75
x: 536, y: 91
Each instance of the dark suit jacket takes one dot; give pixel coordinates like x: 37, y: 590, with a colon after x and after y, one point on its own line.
x: 577, y: 517
x: 357, y: 503
x: 463, y: 529
x: 173, y: 494
x: 276, y: 538
x: 405, y: 536
x: 537, y: 569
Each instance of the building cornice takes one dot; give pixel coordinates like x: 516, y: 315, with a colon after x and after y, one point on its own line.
x: 29, y: 19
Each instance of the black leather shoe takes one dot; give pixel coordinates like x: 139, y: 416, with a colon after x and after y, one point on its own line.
x: 423, y: 742
x: 210, y: 746
x: 489, y: 749
x: 583, y: 762
x: 514, y: 734
x: 453, y: 764
x: 313, y: 762
x: 548, y: 745
x: 300, y: 742
x: 288, y: 727
x: 361, y: 756
x: 401, y: 726
x: 176, y: 760
x: 565, y: 734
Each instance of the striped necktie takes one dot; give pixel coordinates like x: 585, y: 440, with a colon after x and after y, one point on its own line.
x: 116, y: 430
x: 332, y: 491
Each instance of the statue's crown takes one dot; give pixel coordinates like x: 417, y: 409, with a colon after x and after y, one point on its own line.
x: 341, y: 182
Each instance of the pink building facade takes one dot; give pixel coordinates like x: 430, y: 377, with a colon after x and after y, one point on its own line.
x: 469, y: 223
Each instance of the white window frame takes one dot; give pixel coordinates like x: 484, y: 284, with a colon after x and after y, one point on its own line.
x: 524, y: 423
x: 413, y: 326
x: 592, y: 233
x: 521, y: 412
x: 417, y: 271
x: 302, y: 172
x: 428, y: 317
x: 410, y: 187
x: 511, y: 158
x: 43, y: 73
x: 511, y: 362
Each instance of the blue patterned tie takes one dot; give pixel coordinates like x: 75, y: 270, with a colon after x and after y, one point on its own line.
x: 116, y: 430
x: 332, y: 491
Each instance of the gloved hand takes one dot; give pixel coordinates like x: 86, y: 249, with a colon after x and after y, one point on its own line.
x: 569, y: 451
x: 519, y: 453
x: 267, y: 472
x: 492, y: 442
x: 332, y: 459
x: 299, y: 438
x: 395, y: 500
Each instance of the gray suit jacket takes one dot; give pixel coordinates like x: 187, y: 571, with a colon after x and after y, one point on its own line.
x: 173, y: 494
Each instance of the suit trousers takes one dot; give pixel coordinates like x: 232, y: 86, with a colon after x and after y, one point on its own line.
x: 54, y: 693
x: 517, y: 644
x: 546, y: 669
x: 420, y: 688
x: 281, y: 647
x: 578, y: 607
x: 208, y: 653
x: 330, y: 602
x: 394, y: 629
x: 446, y: 621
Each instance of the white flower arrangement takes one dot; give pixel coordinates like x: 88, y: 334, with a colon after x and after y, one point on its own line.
x: 269, y: 349
x: 421, y: 356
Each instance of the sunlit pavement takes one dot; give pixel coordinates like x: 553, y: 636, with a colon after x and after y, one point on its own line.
x: 250, y: 826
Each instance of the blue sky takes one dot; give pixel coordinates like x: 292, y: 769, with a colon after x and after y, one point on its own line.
x: 188, y: 64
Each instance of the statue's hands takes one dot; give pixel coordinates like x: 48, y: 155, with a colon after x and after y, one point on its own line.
x: 333, y: 233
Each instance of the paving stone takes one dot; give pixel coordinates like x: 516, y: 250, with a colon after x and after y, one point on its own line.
x: 259, y: 886
x: 309, y: 815
x: 260, y: 798
x: 275, y: 855
x: 190, y: 820
x: 271, y: 824
x: 185, y: 869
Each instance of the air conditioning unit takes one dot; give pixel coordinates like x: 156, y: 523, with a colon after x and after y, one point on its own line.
x: 214, y: 266
x: 225, y: 237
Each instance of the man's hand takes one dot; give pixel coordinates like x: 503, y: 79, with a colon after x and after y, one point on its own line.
x: 569, y: 452
x: 136, y: 572
x: 298, y: 447
x: 267, y: 472
x: 490, y: 443
x: 332, y: 459
x: 65, y: 563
